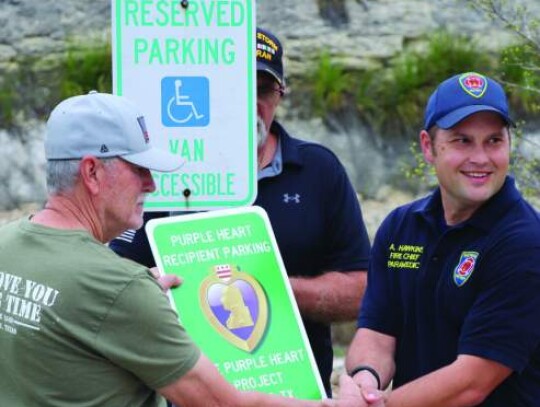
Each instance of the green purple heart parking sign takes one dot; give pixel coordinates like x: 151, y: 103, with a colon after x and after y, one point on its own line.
x: 235, y: 299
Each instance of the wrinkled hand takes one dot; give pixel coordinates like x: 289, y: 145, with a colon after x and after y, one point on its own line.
x: 373, y: 397
x: 350, y: 395
x: 166, y: 281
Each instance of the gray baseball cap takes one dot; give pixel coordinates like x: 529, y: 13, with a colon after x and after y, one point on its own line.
x: 103, y: 125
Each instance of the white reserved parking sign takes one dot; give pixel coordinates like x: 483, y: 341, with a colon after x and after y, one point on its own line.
x: 190, y: 66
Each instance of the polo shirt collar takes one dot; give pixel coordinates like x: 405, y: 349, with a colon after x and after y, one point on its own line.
x: 276, y: 165
x: 431, y: 208
x: 286, y: 153
x: 289, y: 149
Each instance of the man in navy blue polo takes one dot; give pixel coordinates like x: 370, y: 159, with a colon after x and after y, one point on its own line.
x: 451, y: 312
x: 314, y: 213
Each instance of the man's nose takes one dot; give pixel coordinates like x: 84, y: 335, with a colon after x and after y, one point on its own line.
x: 479, y: 155
x: 149, y: 185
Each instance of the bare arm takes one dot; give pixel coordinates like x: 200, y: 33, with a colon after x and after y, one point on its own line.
x: 330, y: 297
x: 466, y: 382
x: 373, y: 349
x: 203, y: 386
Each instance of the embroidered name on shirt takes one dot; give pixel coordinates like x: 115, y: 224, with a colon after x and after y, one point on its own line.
x: 404, y: 256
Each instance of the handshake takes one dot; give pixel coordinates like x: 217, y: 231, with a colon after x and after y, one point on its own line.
x: 351, y: 395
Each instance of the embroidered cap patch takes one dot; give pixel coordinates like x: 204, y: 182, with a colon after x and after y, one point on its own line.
x: 474, y: 84
x: 465, y: 267
x: 142, y: 123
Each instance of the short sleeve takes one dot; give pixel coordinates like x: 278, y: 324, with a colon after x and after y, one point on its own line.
x: 142, y: 334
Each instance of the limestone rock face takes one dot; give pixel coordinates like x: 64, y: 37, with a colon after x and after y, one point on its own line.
x: 358, y: 33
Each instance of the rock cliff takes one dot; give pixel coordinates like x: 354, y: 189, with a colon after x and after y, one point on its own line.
x: 358, y: 33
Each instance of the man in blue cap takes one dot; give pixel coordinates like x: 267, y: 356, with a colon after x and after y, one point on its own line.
x: 451, y: 309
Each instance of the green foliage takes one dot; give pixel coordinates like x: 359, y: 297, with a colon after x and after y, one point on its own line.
x: 330, y: 85
x: 24, y: 91
x: 391, y: 100
x: 520, y: 70
x: 525, y: 165
x: 87, y: 68
x: 418, y: 174
x: 7, y: 95
x: 514, y: 16
x: 39, y: 84
x: 402, y: 91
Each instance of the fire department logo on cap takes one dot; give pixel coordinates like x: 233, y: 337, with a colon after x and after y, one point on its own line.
x: 465, y: 267
x: 474, y: 84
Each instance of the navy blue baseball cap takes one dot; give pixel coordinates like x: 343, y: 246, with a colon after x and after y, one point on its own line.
x: 270, y: 55
x: 462, y: 95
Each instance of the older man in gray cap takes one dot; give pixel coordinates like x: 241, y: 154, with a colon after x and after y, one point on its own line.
x: 81, y: 325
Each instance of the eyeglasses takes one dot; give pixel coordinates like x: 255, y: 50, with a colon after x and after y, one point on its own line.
x: 265, y: 90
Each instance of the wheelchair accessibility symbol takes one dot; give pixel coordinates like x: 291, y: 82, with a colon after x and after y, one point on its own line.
x: 185, y: 101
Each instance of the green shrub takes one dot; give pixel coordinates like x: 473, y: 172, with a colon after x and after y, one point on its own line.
x: 40, y: 83
x: 524, y: 165
x: 330, y: 85
x: 402, y: 91
x: 87, y: 68
x: 7, y: 95
x: 391, y: 100
x: 519, y: 69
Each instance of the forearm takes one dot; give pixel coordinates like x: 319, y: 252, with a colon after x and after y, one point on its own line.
x: 235, y: 398
x: 466, y: 382
x: 349, y: 396
x: 330, y: 297
x: 203, y: 386
x: 430, y: 391
x: 374, y: 349
x: 255, y: 399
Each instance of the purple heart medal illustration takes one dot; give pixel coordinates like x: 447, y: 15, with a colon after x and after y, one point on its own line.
x: 235, y: 305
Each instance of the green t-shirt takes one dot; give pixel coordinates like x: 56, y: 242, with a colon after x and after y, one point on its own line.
x: 80, y: 326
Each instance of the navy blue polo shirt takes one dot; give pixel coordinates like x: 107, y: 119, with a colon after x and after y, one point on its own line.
x: 315, y: 215
x: 470, y: 289
x: 317, y: 221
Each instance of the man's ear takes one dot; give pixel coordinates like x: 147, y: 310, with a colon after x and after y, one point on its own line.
x: 90, y: 172
x: 426, y: 144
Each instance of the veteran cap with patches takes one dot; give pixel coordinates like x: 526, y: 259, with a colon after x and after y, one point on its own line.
x: 270, y: 55
x: 103, y: 125
x: 462, y: 95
